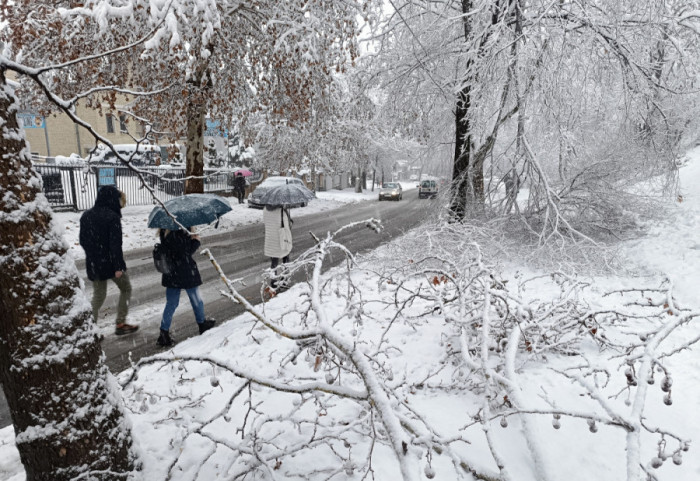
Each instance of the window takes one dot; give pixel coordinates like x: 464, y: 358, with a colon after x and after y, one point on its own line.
x: 122, y: 123
x: 110, y: 124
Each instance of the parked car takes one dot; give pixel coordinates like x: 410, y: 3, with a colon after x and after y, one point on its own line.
x: 391, y: 190
x: 427, y: 188
x: 270, y: 182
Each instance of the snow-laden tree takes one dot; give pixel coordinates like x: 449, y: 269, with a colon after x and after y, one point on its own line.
x: 65, y: 406
x: 337, y: 137
x: 223, y: 58
x: 573, y: 100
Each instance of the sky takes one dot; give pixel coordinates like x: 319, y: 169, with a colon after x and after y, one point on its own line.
x: 172, y: 401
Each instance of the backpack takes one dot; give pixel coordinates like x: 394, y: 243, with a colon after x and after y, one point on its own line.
x: 161, y: 258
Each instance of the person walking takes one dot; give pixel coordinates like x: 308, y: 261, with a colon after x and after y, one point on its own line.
x: 101, y: 239
x: 278, y: 236
x: 239, y: 184
x: 183, y: 274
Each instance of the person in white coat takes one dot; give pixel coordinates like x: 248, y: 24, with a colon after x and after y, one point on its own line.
x: 278, y: 234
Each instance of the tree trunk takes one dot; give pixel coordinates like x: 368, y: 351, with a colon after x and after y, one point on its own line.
x: 468, y: 168
x: 463, y: 140
x: 198, y: 90
x: 65, y: 406
x: 463, y: 145
x: 196, y: 114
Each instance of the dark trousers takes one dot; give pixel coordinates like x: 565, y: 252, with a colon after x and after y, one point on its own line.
x: 275, y: 263
x: 240, y: 194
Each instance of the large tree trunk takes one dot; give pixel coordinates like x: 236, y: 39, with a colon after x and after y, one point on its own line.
x: 463, y: 145
x: 463, y: 140
x: 198, y: 90
x: 194, y: 169
x: 65, y: 406
x: 468, y: 168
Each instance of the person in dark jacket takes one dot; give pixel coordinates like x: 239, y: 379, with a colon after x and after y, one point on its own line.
x: 239, y: 184
x: 101, y: 239
x: 183, y: 274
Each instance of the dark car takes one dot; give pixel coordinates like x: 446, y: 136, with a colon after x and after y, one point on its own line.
x: 391, y: 190
x: 270, y: 182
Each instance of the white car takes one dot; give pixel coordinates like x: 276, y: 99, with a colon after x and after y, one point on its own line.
x: 270, y: 182
x: 428, y: 189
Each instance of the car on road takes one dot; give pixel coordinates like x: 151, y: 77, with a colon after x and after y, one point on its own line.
x: 427, y: 188
x: 269, y: 183
x: 391, y: 191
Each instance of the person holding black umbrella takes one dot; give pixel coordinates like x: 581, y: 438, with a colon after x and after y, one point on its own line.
x: 183, y: 273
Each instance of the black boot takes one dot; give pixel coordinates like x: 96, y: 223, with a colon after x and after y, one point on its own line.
x: 206, y: 325
x: 164, y: 340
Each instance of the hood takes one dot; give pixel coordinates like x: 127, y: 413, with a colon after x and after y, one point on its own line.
x: 109, y: 196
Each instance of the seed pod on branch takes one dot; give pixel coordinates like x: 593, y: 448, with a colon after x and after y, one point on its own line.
x: 666, y: 384
x: 592, y: 427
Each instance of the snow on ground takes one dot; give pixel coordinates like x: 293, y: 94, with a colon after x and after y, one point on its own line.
x: 671, y: 248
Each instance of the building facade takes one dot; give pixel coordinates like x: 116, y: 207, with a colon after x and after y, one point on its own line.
x: 57, y: 134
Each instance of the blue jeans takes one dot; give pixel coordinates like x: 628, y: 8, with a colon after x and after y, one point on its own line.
x: 172, y: 300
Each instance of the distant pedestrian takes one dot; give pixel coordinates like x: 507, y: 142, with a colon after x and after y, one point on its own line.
x: 183, y: 274
x: 239, y: 185
x: 278, y: 236
x: 101, y: 239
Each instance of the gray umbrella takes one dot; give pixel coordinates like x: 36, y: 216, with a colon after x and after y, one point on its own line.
x: 287, y: 195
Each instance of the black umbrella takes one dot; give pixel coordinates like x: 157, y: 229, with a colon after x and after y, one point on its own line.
x: 189, y: 210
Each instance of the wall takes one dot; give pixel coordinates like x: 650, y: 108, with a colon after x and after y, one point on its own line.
x: 64, y: 138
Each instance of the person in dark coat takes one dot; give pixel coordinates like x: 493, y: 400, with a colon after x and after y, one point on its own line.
x: 183, y: 274
x: 101, y: 239
x: 239, y: 184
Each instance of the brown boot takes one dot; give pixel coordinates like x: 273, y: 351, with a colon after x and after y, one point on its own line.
x: 124, y: 328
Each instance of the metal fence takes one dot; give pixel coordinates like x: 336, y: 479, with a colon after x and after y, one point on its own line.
x: 75, y: 187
